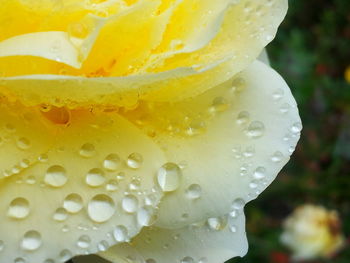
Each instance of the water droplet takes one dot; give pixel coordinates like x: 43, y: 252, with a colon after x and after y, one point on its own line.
x: 65, y: 255
x: 130, y: 203
x: 73, y: 203
x: 84, y: 241
x: 19, y: 208
x: 256, y: 129
x: 233, y: 229
x: 285, y: 108
x: 60, y: 214
x: 238, y: 85
x: 146, y: 216
x: 249, y: 152
x: 102, y: 246
x: 217, y: 223
x: 2, y: 245
x: 169, y: 176
x: 134, y: 160
x: 278, y: 94
x: 219, y: 104
x: 95, y: 177
x: 253, y: 184
x: 243, y: 118
x: 120, y: 234
x: 87, y: 150
x: 23, y: 143
x: 150, y: 260
x: 56, y: 176
x: 296, y: 128
x: 31, y: 240
x: 194, y: 191
x: 259, y: 173
x: 112, y: 185
x: 101, y: 208
x: 19, y: 260
x: 196, y: 127
x: 43, y: 158
x: 112, y: 162
x: 49, y: 260
x: 187, y: 260
x: 277, y: 157
x: 238, y: 204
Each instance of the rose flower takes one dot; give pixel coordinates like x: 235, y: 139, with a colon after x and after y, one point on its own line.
x: 145, y: 125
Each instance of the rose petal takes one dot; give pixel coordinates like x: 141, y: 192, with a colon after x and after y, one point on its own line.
x: 215, y: 240
x: 231, y: 142
x: 84, y: 194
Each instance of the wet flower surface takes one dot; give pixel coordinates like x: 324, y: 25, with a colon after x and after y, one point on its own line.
x: 137, y: 129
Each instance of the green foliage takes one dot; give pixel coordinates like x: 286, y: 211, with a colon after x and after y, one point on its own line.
x: 311, y: 51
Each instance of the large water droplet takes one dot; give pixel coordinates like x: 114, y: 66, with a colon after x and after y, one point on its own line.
x: 256, y: 129
x: 134, y: 160
x: 56, y: 176
x: 95, y: 177
x: 112, y: 162
x: 169, y: 176
x: 31, y: 240
x: 19, y: 208
x: 194, y: 191
x: 130, y: 203
x: 101, y: 208
x: 73, y: 203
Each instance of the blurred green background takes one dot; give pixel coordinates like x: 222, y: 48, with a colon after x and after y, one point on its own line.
x: 312, y: 52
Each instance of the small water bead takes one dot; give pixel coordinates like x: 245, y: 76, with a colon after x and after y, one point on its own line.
x: 285, y: 108
x: 146, y: 216
x: 278, y: 94
x: 101, y: 208
x: 19, y: 260
x: 259, y: 173
x: 196, y: 127
x: 84, y: 241
x: 219, y: 104
x: 238, y: 85
x: 233, y: 229
x: 135, y: 184
x: 238, y: 204
x: 217, y: 223
x: 120, y: 234
x: 253, y: 184
x: 130, y: 203
x: 19, y: 208
x: 194, y: 191
x: 102, y: 246
x: 24, y: 163
x: 256, y: 130
x: 43, y: 158
x: 169, y: 176
x: 49, y: 260
x: 134, y: 161
x: 65, y: 229
x: 23, y: 143
x: 95, y: 177
x: 297, y: 127
x: 150, y: 260
x: 112, y: 185
x: 243, y: 118
x: 60, y: 214
x: 31, y: 240
x: 187, y: 260
x: 203, y: 260
x: 87, y: 150
x: 56, y: 176
x: 249, y: 152
x: 65, y: 255
x: 112, y: 162
x: 277, y: 157
x: 73, y: 203
x: 2, y: 245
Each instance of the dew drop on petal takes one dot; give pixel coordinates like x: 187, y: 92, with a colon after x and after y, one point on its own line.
x: 60, y: 214
x: 217, y: 223
x: 19, y: 208
x: 194, y: 191
x: 238, y: 204
x: 259, y: 173
x: 130, y: 203
x: 95, y: 177
x: 31, y: 240
x: 101, y: 208
x: 134, y: 160
x: 120, y: 234
x: 112, y: 162
x: 56, y: 176
x: 169, y: 176
x: 256, y: 129
x: 73, y: 203
x: 87, y: 150
x: 84, y: 241
x: 187, y: 260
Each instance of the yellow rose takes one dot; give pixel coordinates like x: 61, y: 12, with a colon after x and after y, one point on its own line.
x: 148, y: 121
x: 312, y: 231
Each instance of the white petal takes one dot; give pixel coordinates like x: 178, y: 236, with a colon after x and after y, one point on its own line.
x: 215, y: 240
x: 231, y: 142
x: 79, y: 197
